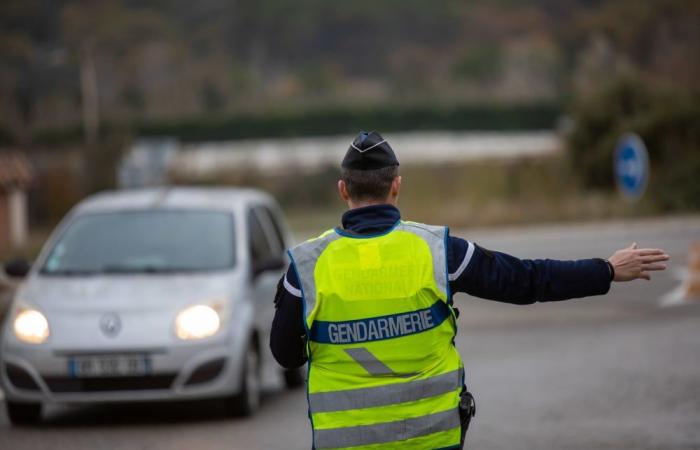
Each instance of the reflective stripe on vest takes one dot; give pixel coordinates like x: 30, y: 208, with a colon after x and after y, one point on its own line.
x: 408, y: 391
x: 383, y: 370
x: 388, y: 432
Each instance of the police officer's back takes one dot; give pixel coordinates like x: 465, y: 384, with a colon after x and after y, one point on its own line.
x: 369, y: 306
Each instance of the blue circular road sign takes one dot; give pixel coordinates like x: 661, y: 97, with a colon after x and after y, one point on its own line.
x: 631, y: 164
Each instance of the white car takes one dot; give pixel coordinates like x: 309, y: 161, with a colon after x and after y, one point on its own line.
x: 154, y: 294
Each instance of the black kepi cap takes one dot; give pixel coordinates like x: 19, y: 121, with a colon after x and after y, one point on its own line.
x: 369, y: 151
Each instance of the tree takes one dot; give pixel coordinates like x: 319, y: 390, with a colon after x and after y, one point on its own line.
x: 95, y: 29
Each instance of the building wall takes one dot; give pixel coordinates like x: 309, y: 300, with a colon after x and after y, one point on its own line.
x: 17, y: 208
x: 13, y: 218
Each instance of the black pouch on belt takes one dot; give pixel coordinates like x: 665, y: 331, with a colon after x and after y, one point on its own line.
x: 467, y: 410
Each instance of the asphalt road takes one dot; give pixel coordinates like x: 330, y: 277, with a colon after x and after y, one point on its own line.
x: 611, y: 372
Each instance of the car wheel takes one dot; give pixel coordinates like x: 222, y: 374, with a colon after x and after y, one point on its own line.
x: 23, y: 413
x: 247, y: 400
x: 293, y: 378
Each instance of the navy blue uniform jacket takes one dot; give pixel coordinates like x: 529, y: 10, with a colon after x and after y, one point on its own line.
x: 472, y: 269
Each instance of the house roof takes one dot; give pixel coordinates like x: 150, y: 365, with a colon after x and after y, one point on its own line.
x: 15, y: 170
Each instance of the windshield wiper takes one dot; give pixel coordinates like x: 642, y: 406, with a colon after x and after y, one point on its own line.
x: 69, y: 272
x: 117, y: 268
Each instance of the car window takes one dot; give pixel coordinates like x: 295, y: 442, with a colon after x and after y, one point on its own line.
x: 275, y: 228
x: 144, y: 242
x: 260, y: 249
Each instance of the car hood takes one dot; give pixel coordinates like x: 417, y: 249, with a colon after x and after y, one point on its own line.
x: 146, y: 306
x: 125, y: 292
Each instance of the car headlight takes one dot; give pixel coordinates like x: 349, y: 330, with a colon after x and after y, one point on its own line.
x: 197, y: 322
x: 31, y: 326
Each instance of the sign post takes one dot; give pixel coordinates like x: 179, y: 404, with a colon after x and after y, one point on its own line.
x: 631, y: 166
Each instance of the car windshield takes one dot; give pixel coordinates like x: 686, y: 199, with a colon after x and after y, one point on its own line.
x: 155, y: 241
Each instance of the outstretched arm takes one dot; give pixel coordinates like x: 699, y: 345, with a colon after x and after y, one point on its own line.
x: 498, y: 276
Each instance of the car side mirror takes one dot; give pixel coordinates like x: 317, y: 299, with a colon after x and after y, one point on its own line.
x: 18, y: 268
x: 265, y: 265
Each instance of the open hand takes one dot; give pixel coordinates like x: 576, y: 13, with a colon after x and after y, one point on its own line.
x: 631, y: 263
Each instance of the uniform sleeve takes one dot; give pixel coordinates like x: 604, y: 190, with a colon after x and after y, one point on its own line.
x: 287, y: 336
x: 501, y: 277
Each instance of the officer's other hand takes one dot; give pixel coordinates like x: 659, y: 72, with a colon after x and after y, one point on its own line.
x: 632, y: 263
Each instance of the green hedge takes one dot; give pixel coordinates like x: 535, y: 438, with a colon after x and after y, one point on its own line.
x: 327, y: 121
x: 351, y: 120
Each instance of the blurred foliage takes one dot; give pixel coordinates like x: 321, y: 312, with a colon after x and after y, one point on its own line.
x: 216, y: 69
x: 6, y: 137
x: 480, y: 63
x: 162, y: 61
x: 667, y: 120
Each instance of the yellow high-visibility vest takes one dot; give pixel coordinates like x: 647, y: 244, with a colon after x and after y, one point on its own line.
x: 383, y: 369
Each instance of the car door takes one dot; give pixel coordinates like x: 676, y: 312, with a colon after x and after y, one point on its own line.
x: 266, y: 269
x: 277, y: 230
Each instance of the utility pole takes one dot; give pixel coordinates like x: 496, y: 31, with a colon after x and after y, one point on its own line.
x: 91, y: 113
x: 90, y: 95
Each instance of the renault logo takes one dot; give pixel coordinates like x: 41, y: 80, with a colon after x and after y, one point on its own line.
x: 110, y: 324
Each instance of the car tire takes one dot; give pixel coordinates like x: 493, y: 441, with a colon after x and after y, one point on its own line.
x: 293, y: 378
x: 23, y: 413
x: 247, y: 401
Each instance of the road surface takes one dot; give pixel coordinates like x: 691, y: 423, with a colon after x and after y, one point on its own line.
x: 612, y: 372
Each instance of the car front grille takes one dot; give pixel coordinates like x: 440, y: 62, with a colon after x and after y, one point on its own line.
x: 106, y: 384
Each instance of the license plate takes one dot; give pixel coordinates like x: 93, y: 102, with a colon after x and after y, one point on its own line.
x: 109, y: 366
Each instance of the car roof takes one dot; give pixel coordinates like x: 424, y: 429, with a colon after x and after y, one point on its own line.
x: 220, y: 198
